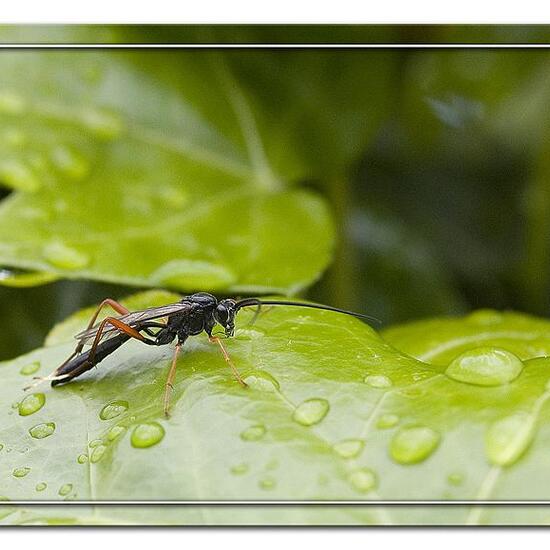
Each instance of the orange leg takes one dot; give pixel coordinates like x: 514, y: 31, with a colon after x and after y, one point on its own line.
x: 216, y: 340
x: 170, y: 381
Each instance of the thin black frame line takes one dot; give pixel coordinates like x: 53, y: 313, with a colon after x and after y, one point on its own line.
x: 94, y: 46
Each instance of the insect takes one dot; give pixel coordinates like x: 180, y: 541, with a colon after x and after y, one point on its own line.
x: 159, y: 326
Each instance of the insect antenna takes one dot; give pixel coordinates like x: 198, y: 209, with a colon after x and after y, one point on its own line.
x: 246, y: 302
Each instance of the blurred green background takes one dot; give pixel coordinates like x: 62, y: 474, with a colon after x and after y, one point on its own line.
x: 447, y: 210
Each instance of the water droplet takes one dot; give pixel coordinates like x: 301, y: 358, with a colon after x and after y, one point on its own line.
x: 40, y: 431
x: 485, y: 366
x: 19, y: 176
x: 70, y: 162
x: 11, y: 103
x: 262, y: 380
x: 21, y: 472
x: 240, y: 469
x: 32, y: 403
x: 508, y: 438
x: 349, y: 448
x: 311, y: 411
x: 455, y: 479
x: 82, y: 459
x: 41, y: 486
x: 267, y: 483
x: 104, y: 124
x: 31, y: 368
x: 97, y: 453
x: 413, y: 444
x: 64, y: 490
x: 115, y: 432
x: 378, y: 381
x: 95, y: 443
x: 387, y: 421
x: 147, y: 435
x: 253, y: 433
x: 363, y: 480
x: 65, y: 257
x: 113, y: 409
x: 193, y: 274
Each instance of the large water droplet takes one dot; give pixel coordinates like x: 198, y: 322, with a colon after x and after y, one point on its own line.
x: 267, y: 483
x: 115, y: 432
x: 508, y: 438
x: 194, y: 274
x: 19, y: 176
x: 104, y: 124
x: 97, y: 453
x: 21, y: 472
x: 40, y: 431
x: 387, y: 421
x: 40, y: 486
x: 147, y: 435
x: 413, y: 444
x: 262, y: 380
x: 253, y: 433
x: 349, y: 448
x: 485, y: 366
x: 113, y: 409
x: 64, y: 490
x: 32, y: 403
x: 82, y: 458
x: 363, y: 480
x: 378, y: 381
x: 31, y: 368
x: 240, y: 469
x: 70, y: 162
x: 11, y: 103
x: 65, y: 257
x: 311, y: 411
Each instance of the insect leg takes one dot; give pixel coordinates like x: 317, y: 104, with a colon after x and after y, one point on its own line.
x: 216, y: 340
x: 170, y: 380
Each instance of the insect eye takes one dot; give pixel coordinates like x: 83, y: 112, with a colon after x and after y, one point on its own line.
x: 222, y: 314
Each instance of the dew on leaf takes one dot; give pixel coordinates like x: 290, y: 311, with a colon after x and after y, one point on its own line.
x: 64, y: 256
x: 195, y: 274
x: 239, y: 469
x: 19, y: 176
x: 115, y: 432
x: 378, y: 381
x: 455, y: 478
x: 485, y: 366
x: 363, y: 480
x: 485, y: 317
x: 253, y: 433
x: 387, y: 421
x: 82, y: 458
x: 267, y: 483
x: 40, y: 486
x: 31, y: 404
x: 104, y: 124
x: 508, y: 438
x: 147, y: 435
x: 31, y: 368
x: 65, y: 489
x: 311, y: 411
x: 262, y: 380
x: 349, y: 448
x: 40, y: 431
x: 95, y: 443
x: 97, y: 453
x: 113, y: 409
x: 413, y: 444
x: 21, y: 472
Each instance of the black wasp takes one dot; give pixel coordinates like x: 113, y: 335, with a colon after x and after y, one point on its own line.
x: 159, y: 326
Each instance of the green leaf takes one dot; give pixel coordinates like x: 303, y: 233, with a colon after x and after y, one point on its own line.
x: 332, y: 412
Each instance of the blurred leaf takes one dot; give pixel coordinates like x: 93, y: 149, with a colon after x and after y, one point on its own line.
x: 332, y: 412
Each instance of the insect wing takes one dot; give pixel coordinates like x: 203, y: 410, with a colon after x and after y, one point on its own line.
x: 132, y: 319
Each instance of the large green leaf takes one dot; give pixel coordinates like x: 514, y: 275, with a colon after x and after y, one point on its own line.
x: 333, y: 412
x: 175, y: 169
